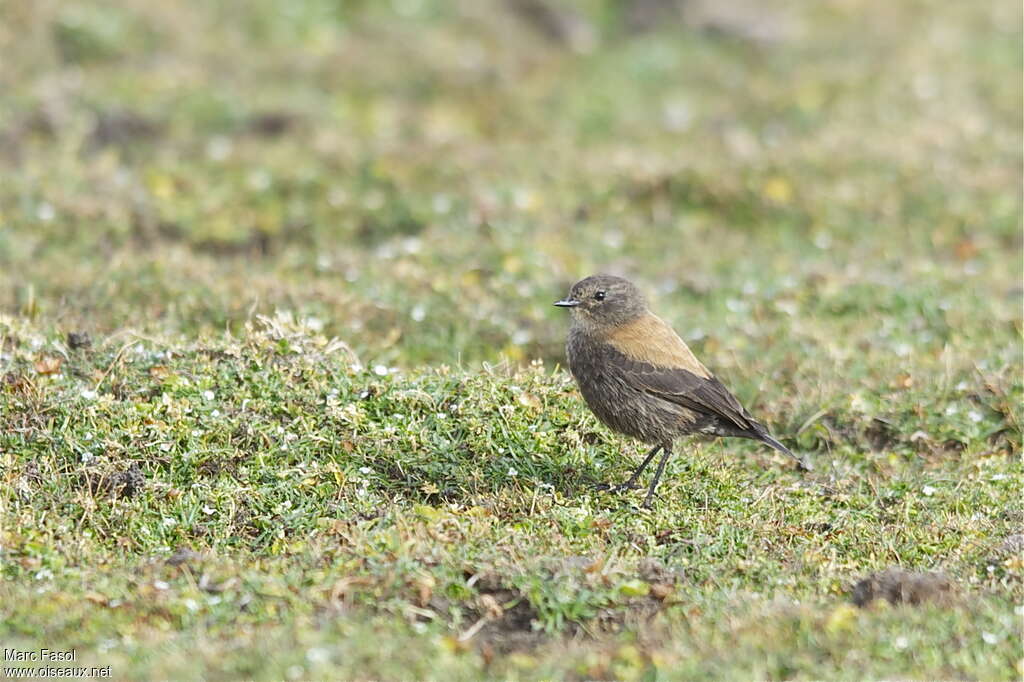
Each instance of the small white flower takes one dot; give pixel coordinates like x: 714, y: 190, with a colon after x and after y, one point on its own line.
x: 676, y: 115
x: 989, y: 638
x: 901, y: 642
x: 512, y: 472
x: 88, y: 436
x: 215, y: 413
x: 218, y: 148
x: 196, y: 433
x: 974, y: 416
x: 208, y: 395
x: 165, y: 447
x: 365, y: 470
x: 45, y: 212
x: 169, y: 522
x: 380, y: 370
x: 160, y: 584
x: 318, y: 655
x: 89, y: 394
x: 928, y: 490
x: 418, y: 313
x: 788, y: 307
x: 441, y: 203
x: 259, y: 180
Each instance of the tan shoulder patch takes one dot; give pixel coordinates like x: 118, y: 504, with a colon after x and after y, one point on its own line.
x: 650, y: 339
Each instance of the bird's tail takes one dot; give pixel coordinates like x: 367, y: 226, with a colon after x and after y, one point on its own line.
x: 766, y: 438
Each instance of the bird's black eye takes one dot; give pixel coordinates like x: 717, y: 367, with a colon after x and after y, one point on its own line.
x: 599, y: 296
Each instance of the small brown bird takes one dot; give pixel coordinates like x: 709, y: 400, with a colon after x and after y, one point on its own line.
x: 642, y: 380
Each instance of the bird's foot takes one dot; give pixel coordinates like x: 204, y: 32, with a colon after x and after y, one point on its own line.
x: 617, y: 487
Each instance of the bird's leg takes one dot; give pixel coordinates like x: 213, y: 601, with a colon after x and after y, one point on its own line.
x: 631, y: 483
x: 657, y: 476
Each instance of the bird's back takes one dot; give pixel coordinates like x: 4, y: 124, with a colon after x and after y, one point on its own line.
x: 650, y: 339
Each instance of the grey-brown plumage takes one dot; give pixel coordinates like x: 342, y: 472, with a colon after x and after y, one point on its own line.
x: 641, y: 379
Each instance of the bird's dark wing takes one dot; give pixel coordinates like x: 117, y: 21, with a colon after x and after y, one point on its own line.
x: 704, y: 395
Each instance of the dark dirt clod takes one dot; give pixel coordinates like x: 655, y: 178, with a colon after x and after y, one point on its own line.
x: 513, y: 630
x: 952, y: 445
x: 77, y: 340
x: 128, y: 482
x: 898, y: 586
x: 880, y: 434
x: 122, y: 127
x: 653, y: 571
x: 123, y: 484
x: 243, y: 523
x: 556, y: 24
x: 272, y: 123
x: 183, y: 555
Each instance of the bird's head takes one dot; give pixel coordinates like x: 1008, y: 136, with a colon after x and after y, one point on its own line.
x: 604, y: 301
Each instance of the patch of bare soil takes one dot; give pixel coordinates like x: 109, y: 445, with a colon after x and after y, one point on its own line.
x: 121, y: 484
x: 506, y: 618
x: 898, y: 586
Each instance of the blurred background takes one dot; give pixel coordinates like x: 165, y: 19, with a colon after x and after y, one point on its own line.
x: 423, y: 178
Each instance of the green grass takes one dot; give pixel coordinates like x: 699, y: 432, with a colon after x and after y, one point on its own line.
x: 322, y: 431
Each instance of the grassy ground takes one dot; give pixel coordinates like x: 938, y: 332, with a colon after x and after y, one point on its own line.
x: 318, y: 428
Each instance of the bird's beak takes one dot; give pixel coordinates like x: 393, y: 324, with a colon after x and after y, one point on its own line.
x: 567, y: 303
